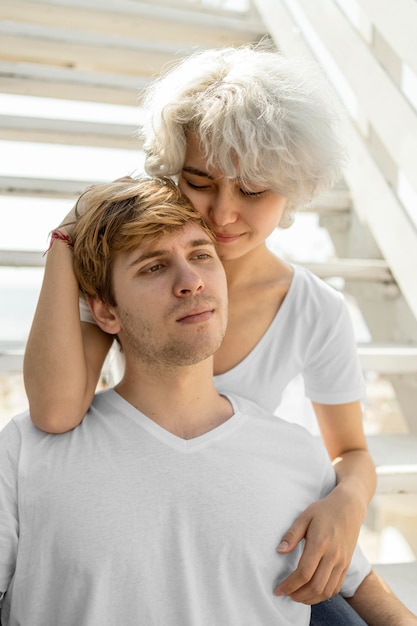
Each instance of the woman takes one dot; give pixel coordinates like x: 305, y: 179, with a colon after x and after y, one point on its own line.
x: 251, y: 136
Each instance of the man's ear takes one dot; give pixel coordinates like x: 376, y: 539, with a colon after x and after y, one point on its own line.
x: 104, y: 315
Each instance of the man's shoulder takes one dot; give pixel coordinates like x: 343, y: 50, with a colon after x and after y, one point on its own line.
x: 17, y: 424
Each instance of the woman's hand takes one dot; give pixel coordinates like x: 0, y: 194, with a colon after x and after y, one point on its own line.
x: 330, y: 528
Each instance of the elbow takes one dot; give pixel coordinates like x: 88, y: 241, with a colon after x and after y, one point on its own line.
x: 56, y: 420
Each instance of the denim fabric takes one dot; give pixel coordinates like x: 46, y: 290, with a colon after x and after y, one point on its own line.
x: 334, y: 612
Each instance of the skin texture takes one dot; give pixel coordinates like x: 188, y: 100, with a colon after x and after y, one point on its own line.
x: 243, y: 216
x: 377, y: 605
x: 170, y: 317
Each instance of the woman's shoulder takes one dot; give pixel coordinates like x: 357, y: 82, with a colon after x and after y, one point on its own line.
x: 307, y: 289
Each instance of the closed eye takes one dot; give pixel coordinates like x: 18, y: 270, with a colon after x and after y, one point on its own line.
x: 194, y: 186
x: 253, y: 194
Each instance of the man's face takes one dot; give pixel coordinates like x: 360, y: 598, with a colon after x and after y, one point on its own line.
x: 171, y: 299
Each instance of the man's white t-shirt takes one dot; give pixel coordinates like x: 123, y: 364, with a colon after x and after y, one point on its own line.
x: 121, y: 522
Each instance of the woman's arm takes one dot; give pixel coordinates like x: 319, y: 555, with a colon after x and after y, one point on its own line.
x: 331, y: 526
x: 63, y: 357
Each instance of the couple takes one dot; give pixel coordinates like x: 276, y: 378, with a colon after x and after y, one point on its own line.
x: 251, y: 137
x: 166, y: 503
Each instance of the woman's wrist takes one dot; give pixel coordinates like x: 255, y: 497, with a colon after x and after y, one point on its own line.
x: 61, y: 236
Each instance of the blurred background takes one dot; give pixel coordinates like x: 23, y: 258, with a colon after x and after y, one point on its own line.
x: 71, y: 78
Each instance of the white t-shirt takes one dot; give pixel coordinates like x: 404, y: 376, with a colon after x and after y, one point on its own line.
x: 312, y: 336
x: 120, y: 522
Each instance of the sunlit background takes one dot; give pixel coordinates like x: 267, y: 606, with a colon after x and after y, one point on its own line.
x: 69, y: 121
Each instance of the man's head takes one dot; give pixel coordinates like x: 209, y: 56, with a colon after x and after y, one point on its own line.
x: 147, y: 263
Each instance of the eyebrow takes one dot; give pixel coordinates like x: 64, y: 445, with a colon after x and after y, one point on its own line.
x: 193, y: 170
x: 152, y: 254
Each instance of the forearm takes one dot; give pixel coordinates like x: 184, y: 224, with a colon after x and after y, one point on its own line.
x: 356, y: 477
x: 378, y: 606
x: 342, y: 431
x: 60, y: 378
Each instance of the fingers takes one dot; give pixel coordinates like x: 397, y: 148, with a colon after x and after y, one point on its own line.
x: 310, y: 584
x: 321, y: 568
x: 295, y: 534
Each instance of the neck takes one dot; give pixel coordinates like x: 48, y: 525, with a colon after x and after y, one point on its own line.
x: 182, y: 400
x: 255, y: 267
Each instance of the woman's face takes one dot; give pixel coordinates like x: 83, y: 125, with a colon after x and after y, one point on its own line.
x: 241, y: 216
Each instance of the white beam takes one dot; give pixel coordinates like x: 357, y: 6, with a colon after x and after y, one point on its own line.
x: 397, y: 22
x: 388, y: 358
x: 364, y: 270
x: 387, y: 109
x: 199, y: 26
x: 70, y: 132
x: 43, y: 187
x: 372, y: 197
x: 395, y: 457
x: 30, y: 79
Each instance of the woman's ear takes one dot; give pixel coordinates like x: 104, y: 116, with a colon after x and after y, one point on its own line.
x: 104, y: 315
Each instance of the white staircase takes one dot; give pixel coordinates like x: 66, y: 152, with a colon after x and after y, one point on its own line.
x: 94, y: 51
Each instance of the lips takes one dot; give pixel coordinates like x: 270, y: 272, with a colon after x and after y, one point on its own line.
x: 197, y: 315
x: 226, y: 237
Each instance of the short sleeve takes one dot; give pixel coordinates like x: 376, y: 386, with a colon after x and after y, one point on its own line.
x: 333, y: 373
x: 9, y: 519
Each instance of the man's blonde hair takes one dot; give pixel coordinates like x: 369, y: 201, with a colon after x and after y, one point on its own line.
x: 116, y: 218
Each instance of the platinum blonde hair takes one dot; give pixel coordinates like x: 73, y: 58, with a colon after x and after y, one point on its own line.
x: 260, y: 117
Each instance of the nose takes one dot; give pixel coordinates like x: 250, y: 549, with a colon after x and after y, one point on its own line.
x: 188, y: 281
x: 224, y: 207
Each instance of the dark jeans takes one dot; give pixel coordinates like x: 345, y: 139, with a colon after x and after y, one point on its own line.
x: 334, y: 612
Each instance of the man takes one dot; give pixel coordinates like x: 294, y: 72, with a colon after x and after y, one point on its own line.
x: 163, y: 506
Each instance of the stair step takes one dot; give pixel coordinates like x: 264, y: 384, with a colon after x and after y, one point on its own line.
x: 395, y: 457
x: 69, y: 132
x: 66, y: 82
x: 402, y: 579
x: 11, y: 356
x: 335, y: 202
x: 388, y: 358
x: 43, y: 187
x: 363, y: 270
x: 21, y: 258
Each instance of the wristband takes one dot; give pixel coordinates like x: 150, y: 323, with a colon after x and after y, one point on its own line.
x: 57, y: 234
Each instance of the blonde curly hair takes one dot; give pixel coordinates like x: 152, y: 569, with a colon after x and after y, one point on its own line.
x: 260, y: 116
